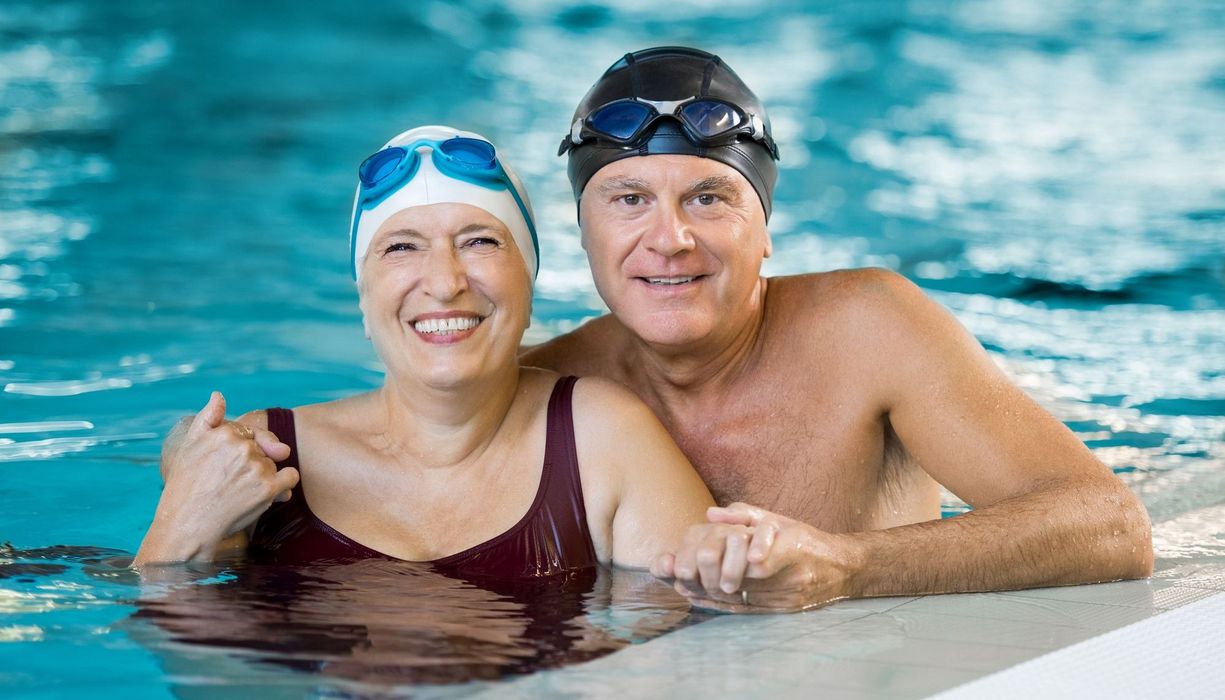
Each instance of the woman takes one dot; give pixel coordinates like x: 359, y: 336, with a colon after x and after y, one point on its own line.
x: 462, y: 458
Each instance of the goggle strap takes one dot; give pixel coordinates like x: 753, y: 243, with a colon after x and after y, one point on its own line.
x: 635, y: 81
x: 708, y: 75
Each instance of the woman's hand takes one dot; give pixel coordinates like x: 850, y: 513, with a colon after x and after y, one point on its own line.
x: 220, y: 477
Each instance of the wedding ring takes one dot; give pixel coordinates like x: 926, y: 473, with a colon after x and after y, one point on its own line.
x: 744, y: 597
x: 243, y: 431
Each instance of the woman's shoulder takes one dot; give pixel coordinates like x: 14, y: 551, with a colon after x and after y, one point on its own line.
x: 591, y: 395
x: 605, y: 412
x: 338, y: 414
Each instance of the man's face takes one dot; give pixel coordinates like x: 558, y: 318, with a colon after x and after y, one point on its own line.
x: 675, y: 244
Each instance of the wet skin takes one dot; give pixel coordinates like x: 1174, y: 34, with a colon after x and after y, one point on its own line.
x: 448, y: 453
x: 837, y: 401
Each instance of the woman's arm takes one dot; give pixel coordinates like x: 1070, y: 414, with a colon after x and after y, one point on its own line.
x: 640, y: 490
x: 219, y: 480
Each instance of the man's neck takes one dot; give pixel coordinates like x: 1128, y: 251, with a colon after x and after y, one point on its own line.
x: 680, y: 375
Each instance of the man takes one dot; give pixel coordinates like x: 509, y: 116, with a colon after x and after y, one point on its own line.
x: 835, y: 402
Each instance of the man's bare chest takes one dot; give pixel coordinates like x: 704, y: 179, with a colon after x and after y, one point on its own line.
x: 805, y: 460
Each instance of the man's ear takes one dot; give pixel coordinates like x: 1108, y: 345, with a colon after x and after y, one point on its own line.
x: 582, y: 230
x: 769, y: 244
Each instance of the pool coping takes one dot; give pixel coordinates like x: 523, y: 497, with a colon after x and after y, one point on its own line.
x: 915, y: 647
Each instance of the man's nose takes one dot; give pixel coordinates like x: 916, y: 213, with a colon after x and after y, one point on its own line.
x: 446, y: 277
x: 670, y: 233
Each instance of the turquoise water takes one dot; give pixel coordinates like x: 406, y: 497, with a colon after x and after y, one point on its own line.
x: 175, y: 182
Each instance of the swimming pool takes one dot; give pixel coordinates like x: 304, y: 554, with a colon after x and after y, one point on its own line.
x: 175, y: 183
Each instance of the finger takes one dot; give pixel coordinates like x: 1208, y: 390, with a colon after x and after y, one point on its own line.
x: 272, y: 446
x: 763, y: 542
x: 285, y: 480
x: 282, y: 496
x: 684, y: 560
x: 710, y: 560
x: 209, y: 417
x: 662, y: 566
x: 735, y: 561
x: 735, y: 514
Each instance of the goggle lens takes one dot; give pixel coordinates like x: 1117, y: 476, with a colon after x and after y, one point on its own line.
x: 620, y: 120
x: 470, y: 152
x: 378, y: 166
x: 710, y: 118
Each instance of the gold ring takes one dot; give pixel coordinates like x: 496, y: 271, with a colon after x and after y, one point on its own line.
x: 244, y: 431
x: 744, y: 597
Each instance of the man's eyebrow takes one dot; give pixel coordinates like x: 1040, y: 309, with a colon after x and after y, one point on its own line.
x: 715, y: 183
x: 620, y: 184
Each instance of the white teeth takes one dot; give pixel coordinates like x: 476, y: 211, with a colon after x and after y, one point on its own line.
x: 446, y: 325
x: 670, y: 280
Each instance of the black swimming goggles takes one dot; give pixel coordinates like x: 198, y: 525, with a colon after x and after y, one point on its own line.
x: 706, y: 121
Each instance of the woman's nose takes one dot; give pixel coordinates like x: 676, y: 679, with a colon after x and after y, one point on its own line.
x: 445, y: 276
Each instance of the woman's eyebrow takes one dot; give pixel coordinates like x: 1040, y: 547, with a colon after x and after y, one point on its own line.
x: 475, y: 227
x: 406, y: 232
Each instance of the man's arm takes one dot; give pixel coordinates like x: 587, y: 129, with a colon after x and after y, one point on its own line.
x: 1045, y: 510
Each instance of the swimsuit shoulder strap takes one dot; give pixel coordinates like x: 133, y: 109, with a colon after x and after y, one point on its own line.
x: 560, y: 453
x: 281, y: 424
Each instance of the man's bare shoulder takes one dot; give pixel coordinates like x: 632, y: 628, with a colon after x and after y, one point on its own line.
x: 853, y: 299
x: 589, y: 350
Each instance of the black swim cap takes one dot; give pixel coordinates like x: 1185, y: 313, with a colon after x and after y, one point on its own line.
x: 674, y: 73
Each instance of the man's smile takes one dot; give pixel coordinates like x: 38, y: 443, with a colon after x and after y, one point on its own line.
x: 671, y: 281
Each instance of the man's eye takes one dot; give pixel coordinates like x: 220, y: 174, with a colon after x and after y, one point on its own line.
x: 481, y: 242
x: 632, y: 200
x: 706, y: 199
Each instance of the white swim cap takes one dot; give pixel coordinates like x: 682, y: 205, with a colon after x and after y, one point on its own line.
x: 439, y: 165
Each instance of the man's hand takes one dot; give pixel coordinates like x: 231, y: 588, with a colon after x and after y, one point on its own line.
x: 751, y: 560
x: 220, y: 477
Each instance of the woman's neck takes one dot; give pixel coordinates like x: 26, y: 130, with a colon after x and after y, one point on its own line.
x: 439, y: 427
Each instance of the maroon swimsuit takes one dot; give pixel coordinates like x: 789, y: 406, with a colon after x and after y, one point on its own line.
x: 551, y: 538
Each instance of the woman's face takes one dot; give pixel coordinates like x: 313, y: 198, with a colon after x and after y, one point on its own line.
x: 445, y: 294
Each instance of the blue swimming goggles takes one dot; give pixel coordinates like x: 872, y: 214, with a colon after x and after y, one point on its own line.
x: 466, y: 159
x: 707, y: 121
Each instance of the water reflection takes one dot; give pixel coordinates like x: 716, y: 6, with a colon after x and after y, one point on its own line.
x: 374, y: 623
x: 395, y: 623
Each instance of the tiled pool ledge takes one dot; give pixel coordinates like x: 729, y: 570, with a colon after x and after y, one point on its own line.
x: 916, y: 647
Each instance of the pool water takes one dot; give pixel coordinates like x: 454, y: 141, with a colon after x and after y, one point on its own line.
x: 175, y: 185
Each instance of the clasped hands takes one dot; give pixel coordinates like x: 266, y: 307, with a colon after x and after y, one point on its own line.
x: 220, y: 476
x: 747, y: 559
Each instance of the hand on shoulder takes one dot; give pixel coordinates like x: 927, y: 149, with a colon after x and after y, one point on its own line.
x: 220, y: 477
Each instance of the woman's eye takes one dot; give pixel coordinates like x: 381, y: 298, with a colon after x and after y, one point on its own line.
x: 398, y: 247
x: 481, y: 242
x: 632, y: 200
